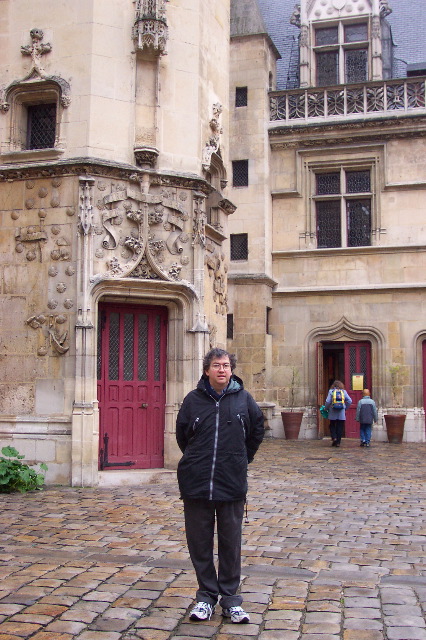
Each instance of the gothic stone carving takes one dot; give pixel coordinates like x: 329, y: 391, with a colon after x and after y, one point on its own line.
x: 36, y: 49
x: 139, y: 235
x: 213, y: 143
x: 215, y: 262
x: 52, y: 332
x: 150, y: 32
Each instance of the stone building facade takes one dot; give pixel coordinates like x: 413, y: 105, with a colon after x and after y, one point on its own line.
x: 113, y: 205
x: 328, y: 240
x: 177, y: 175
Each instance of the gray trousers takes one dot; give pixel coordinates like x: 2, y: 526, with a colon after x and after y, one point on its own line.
x: 200, y: 518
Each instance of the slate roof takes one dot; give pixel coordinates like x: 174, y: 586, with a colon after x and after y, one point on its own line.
x: 407, y: 20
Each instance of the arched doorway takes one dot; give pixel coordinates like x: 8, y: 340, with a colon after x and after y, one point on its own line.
x: 349, y: 362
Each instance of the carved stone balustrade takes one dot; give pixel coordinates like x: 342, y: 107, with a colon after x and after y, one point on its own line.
x: 150, y: 32
x: 373, y: 99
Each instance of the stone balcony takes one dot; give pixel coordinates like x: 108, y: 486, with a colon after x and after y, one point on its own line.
x: 347, y: 102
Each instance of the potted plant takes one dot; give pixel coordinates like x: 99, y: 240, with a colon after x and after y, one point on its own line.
x: 292, y: 419
x: 395, y: 421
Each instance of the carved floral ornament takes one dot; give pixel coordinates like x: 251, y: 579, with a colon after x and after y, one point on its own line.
x: 213, y: 143
x: 329, y: 8
x: 36, y: 74
x: 136, y: 234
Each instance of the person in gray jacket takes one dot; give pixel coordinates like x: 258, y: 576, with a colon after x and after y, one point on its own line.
x: 366, y: 414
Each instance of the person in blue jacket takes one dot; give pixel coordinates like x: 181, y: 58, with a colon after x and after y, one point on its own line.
x: 337, y: 415
x: 366, y: 414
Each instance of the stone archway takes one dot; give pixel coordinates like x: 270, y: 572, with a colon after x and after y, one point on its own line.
x: 343, y: 331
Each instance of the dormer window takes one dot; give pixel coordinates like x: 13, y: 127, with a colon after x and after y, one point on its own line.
x: 341, y: 54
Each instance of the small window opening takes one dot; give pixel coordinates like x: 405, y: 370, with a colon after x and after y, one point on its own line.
x: 241, y: 97
x: 41, y: 126
x: 230, y: 326
x: 240, y: 173
x: 239, y: 246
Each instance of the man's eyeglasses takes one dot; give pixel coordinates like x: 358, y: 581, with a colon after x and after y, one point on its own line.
x: 217, y: 366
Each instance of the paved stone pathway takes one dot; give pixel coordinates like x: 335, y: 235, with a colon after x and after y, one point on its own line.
x: 334, y: 549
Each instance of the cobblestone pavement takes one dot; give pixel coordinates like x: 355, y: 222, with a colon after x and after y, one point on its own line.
x: 334, y: 549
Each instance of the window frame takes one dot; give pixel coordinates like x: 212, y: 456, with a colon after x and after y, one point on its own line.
x: 343, y: 197
x: 20, y: 97
x: 341, y: 48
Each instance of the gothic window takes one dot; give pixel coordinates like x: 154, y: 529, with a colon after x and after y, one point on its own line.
x: 35, y: 117
x: 341, y: 54
x: 343, y: 208
x: 240, y: 173
x: 239, y: 246
x: 241, y: 96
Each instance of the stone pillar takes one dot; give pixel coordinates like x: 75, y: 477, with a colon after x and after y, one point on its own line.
x: 85, y: 419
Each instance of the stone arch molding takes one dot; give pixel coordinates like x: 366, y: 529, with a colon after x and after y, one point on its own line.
x: 345, y: 330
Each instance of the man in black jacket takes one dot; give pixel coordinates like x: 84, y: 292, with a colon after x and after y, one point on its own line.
x: 218, y: 429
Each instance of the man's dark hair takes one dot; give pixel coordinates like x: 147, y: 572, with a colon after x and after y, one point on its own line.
x: 218, y: 353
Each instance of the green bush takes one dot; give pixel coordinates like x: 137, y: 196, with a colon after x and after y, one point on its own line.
x: 17, y: 476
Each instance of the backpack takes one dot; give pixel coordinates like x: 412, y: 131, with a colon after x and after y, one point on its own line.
x: 338, y: 399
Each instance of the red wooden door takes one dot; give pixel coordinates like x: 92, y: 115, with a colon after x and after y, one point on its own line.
x: 357, y: 361
x: 131, y: 385
x: 424, y: 374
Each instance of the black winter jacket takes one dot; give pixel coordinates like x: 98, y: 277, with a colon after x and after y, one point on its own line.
x: 218, y: 438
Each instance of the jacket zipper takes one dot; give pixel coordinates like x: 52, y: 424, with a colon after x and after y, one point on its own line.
x: 242, y: 424
x: 216, y: 437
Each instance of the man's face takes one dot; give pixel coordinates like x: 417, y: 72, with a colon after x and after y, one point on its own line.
x: 219, y: 373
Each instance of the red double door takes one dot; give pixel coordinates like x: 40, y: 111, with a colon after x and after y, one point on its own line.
x: 349, y: 362
x: 357, y: 373
x: 131, y: 386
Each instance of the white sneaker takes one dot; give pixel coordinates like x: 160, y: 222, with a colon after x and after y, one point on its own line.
x: 201, y: 611
x: 237, y: 615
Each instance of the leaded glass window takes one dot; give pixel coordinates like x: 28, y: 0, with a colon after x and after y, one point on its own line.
x: 114, y: 343
x: 328, y: 183
x: 157, y: 345
x: 359, y: 223
x: 358, y: 181
x: 329, y: 232
x: 128, y: 346
x: 143, y: 347
x: 328, y: 35
x: 337, y: 58
x: 239, y: 246
x: 356, y: 65
x: 343, y: 219
x: 41, y: 126
x: 327, y: 68
x: 356, y: 32
x: 240, y: 173
x: 241, y: 96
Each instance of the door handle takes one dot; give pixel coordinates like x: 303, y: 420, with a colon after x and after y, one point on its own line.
x: 144, y: 405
